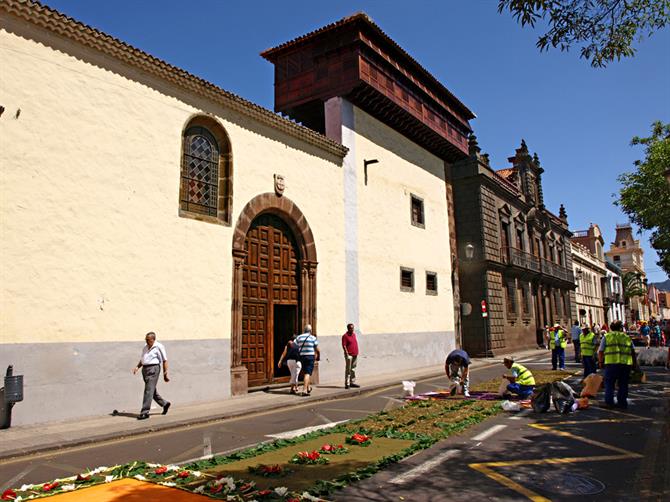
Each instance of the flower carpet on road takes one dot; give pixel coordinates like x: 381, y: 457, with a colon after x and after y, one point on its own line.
x: 303, y: 468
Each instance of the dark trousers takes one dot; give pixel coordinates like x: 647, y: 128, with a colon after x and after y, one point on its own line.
x: 589, y: 363
x: 558, y: 356
x: 618, y: 374
x: 578, y: 352
x: 150, y: 375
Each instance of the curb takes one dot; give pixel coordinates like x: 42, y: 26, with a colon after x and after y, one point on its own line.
x: 98, y: 438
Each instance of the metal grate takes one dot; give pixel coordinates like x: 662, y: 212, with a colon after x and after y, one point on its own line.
x: 200, y: 171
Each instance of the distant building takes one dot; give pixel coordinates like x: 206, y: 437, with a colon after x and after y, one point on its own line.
x: 513, y: 253
x: 613, y: 299
x: 626, y: 253
x: 664, y: 304
x: 590, y: 276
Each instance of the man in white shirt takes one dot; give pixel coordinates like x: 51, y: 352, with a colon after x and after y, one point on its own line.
x: 575, y: 331
x: 153, y: 355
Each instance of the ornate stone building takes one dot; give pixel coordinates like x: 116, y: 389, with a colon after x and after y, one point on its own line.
x: 513, y: 253
x: 626, y: 253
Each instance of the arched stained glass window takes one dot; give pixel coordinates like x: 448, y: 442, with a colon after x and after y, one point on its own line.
x: 200, y: 175
x: 206, y: 172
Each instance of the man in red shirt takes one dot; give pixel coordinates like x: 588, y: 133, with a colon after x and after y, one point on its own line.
x: 350, y: 347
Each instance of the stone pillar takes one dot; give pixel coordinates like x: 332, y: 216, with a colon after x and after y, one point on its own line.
x: 308, y: 306
x: 238, y: 373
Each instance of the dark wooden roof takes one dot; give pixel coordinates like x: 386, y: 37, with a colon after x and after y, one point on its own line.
x: 355, y: 59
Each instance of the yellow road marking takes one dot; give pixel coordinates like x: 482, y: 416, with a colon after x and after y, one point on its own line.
x: 486, y: 467
x: 513, y: 485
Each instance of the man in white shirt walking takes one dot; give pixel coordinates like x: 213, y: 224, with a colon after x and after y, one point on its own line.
x: 153, y: 355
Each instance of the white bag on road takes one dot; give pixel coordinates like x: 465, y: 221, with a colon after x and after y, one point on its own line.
x: 408, y: 387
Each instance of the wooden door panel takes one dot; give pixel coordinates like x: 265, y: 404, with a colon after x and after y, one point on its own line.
x: 270, y: 277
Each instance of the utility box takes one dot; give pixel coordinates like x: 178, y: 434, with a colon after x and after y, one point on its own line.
x: 13, y: 388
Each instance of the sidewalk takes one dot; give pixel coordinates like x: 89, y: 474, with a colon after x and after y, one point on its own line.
x: 23, y: 440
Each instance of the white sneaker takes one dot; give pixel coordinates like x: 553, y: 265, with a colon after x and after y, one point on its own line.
x: 466, y: 394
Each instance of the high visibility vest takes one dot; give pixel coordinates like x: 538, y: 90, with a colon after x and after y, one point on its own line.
x: 523, y: 375
x: 586, y: 342
x: 618, y: 348
x: 562, y: 339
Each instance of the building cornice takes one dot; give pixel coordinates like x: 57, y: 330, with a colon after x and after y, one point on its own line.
x: 53, y: 21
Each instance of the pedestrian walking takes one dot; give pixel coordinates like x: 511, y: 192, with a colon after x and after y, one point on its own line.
x: 457, y: 367
x: 153, y: 356
x: 557, y: 344
x: 308, y: 347
x: 521, y: 380
x: 645, y: 331
x: 587, y: 341
x: 616, y: 356
x: 575, y: 333
x: 291, y: 356
x: 350, y: 348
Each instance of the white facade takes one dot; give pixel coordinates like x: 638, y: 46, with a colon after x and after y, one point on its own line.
x: 100, y: 252
x: 614, y: 295
x: 590, y: 273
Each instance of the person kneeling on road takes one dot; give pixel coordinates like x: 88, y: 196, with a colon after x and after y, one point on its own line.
x: 457, y: 368
x: 521, y: 381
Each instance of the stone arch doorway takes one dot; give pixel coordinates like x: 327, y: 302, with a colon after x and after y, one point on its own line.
x: 274, y: 287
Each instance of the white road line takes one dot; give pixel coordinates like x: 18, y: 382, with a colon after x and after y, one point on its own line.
x: 10, y: 483
x: 304, y: 430
x: 489, y: 432
x: 520, y: 415
x: 423, y: 468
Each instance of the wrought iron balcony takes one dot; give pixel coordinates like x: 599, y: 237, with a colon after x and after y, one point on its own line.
x: 555, y: 270
x: 518, y: 258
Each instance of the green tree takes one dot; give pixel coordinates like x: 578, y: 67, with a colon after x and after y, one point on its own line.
x: 645, y: 194
x: 605, y: 29
x: 632, y: 285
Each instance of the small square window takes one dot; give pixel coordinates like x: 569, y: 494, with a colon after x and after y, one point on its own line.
x: 407, y: 279
x: 417, y: 212
x: 431, y: 283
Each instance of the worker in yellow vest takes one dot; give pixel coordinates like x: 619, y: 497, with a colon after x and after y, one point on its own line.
x: 616, y: 354
x: 558, y: 341
x: 587, y: 342
x: 521, y: 380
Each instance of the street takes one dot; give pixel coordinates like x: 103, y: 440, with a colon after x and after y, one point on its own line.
x: 597, y: 453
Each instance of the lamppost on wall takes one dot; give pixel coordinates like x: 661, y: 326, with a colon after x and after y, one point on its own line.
x: 469, y: 256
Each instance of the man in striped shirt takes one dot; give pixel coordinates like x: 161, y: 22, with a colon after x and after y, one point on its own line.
x: 308, y: 346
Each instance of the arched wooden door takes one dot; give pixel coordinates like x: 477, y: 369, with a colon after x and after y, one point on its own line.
x: 271, y: 297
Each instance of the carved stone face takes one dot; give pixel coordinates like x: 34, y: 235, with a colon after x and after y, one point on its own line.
x: 280, y: 184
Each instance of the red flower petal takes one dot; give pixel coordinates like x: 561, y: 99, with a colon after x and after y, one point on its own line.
x: 216, y: 488
x: 161, y: 470
x: 8, y: 495
x: 263, y: 493
x: 183, y: 474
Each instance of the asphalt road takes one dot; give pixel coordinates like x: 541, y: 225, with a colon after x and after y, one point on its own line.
x: 590, y: 455
x: 225, y: 436
x: 635, y: 445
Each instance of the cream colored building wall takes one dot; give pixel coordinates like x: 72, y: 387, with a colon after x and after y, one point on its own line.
x: 588, y: 295
x: 387, y: 239
x: 92, y: 245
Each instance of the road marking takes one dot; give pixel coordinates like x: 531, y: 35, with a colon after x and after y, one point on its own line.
x: 489, y: 432
x: 423, y: 468
x: 520, y: 415
x: 344, y: 410
x: 304, y: 430
x: 14, y: 481
x: 486, y: 467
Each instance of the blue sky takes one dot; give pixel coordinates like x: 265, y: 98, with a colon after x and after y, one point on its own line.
x: 578, y: 119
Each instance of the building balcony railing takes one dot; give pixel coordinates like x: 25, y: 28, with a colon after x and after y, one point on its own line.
x: 555, y: 270
x: 518, y: 258
x: 527, y: 261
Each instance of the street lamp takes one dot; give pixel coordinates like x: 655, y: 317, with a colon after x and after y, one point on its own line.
x: 469, y: 251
